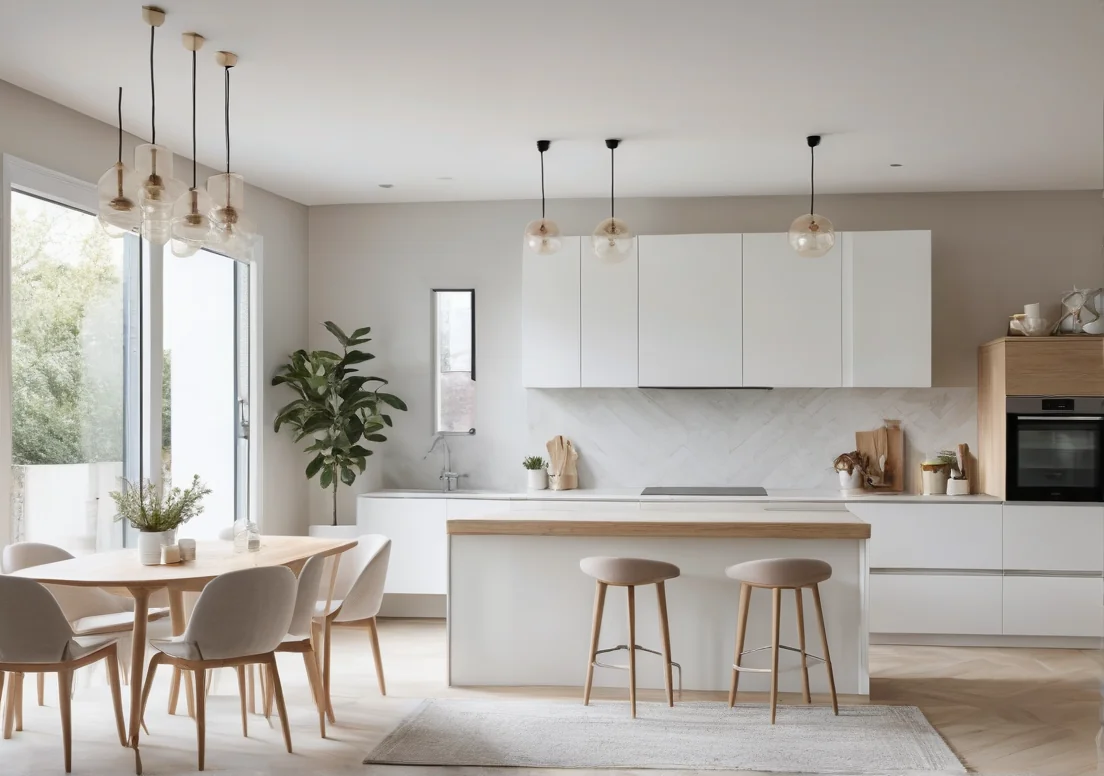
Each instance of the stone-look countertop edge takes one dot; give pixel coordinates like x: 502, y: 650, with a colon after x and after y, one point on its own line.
x: 633, y: 496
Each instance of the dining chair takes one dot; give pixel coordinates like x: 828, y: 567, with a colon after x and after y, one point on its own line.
x: 300, y: 638
x: 89, y: 610
x: 36, y: 637
x: 239, y: 620
x: 358, y: 594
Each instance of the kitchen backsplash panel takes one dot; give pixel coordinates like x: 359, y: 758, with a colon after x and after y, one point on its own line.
x: 784, y: 438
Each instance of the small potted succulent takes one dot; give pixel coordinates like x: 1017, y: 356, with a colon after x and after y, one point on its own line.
x: 850, y: 467
x: 156, y: 512
x: 536, y: 468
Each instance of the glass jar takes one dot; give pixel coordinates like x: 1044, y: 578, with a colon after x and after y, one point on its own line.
x: 247, y: 537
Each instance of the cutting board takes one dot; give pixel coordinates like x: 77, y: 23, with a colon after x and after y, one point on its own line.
x: 890, y: 438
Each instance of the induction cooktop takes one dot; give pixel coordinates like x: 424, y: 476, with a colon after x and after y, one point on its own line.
x: 664, y: 490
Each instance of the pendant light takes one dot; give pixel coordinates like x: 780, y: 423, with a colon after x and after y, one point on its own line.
x: 234, y: 230
x: 158, y: 190
x: 543, y: 235
x: 612, y: 238
x: 812, y: 235
x: 118, y: 209
x: 191, y: 224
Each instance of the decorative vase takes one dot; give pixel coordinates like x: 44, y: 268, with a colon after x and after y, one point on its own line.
x: 958, y: 487
x: 934, y: 477
x: 150, y: 543
x: 538, y: 479
x: 852, y: 481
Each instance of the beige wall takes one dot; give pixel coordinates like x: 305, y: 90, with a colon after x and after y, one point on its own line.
x: 375, y: 265
x: 40, y: 131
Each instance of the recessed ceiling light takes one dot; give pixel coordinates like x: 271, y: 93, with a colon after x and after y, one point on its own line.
x: 896, y: 165
x: 386, y: 185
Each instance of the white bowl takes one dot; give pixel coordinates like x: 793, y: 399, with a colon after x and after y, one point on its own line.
x: 1034, y: 327
x: 1094, y: 327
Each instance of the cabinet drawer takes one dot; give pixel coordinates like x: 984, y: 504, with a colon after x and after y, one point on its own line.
x: 1059, y: 366
x: 1053, y: 538
x: 1053, y: 606
x: 932, y: 536
x: 931, y: 603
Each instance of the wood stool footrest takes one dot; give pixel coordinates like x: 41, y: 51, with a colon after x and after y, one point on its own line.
x: 625, y: 648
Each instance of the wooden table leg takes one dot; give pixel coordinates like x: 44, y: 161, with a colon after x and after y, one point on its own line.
x: 179, y: 622
x: 137, y: 664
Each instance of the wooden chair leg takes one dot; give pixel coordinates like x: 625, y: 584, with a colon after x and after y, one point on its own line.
x: 595, y: 630
x: 116, y: 693
x: 632, y: 650
x: 65, y: 701
x: 373, y: 634
x: 155, y: 661
x: 266, y: 672
x: 281, y: 709
x: 9, y: 706
x: 665, y: 633
x: 824, y: 642
x: 189, y: 694
x: 242, y: 696
x: 200, y: 714
x: 19, y: 702
x: 327, y: 637
x: 776, y: 624
x: 42, y: 689
x: 252, y: 699
x: 174, y: 690
x: 314, y: 677
x: 741, y: 630
x: 801, y: 643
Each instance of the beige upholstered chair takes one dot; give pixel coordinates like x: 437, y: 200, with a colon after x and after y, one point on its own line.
x: 239, y: 620
x: 358, y: 595
x: 36, y: 638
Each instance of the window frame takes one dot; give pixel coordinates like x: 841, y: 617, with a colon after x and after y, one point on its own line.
x: 434, y: 372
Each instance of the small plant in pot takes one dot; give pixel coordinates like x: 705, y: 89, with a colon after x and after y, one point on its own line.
x: 850, y: 467
x: 536, y: 468
x: 156, y: 512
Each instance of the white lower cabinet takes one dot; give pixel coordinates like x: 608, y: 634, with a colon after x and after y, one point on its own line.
x: 935, y: 604
x: 1053, y: 606
x: 932, y: 536
x: 1053, y: 538
x: 419, y: 543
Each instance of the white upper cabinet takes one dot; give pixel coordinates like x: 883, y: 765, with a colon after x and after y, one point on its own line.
x: 887, y: 309
x: 609, y: 319
x: 691, y: 310
x: 793, y: 315
x: 550, y: 317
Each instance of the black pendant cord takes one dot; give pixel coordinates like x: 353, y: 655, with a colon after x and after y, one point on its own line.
x: 227, y: 120
x: 153, y: 93
x: 120, y: 125
x: 193, y: 119
x: 611, y: 183
x: 542, y: 184
x: 812, y: 179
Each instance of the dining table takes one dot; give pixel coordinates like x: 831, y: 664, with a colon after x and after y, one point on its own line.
x: 121, y: 573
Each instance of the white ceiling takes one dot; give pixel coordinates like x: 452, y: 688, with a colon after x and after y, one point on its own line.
x: 712, y: 97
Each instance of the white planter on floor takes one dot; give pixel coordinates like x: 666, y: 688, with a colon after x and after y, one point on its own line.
x: 149, y: 546
x: 537, y: 478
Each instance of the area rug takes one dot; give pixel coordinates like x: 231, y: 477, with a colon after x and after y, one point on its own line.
x: 698, y: 736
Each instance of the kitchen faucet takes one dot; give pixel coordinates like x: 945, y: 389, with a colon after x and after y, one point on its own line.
x: 450, y: 480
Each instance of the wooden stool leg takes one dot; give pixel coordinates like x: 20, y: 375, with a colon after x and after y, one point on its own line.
x: 632, y: 650
x: 776, y: 623
x: 827, y: 657
x: 595, y: 629
x: 741, y: 629
x: 665, y: 632
x: 801, y: 643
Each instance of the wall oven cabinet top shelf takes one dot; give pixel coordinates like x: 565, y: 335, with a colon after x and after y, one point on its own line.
x: 730, y: 311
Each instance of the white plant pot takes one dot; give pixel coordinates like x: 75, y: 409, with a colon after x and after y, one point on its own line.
x: 334, y: 531
x: 852, y: 481
x: 537, y: 478
x: 935, y: 482
x: 149, y: 546
x: 958, y: 487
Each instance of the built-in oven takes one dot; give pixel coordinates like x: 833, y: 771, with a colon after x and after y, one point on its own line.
x: 1055, y: 448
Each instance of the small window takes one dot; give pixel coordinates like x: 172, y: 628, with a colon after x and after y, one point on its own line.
x: 454, y: 360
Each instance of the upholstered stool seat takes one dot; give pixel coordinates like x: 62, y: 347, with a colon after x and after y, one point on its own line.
x: 778, y: 574
x: 629, y: 573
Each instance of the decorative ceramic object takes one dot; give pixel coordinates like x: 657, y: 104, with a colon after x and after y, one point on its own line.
x: 958, y: 487
x: 187, y: 549
x: 852, y: 480
x: 150, y: 544
x: 537, y: 479
x: 934, y: 477
x: 170, y: 554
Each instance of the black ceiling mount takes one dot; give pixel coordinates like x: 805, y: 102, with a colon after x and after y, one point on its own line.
x: 612, y: 143
x: 542, y: 145
x: 813, y: 140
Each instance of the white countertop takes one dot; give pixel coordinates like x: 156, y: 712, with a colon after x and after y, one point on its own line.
x: 633, y: 495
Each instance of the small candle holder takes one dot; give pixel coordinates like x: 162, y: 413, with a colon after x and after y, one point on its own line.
x: 187, y: 549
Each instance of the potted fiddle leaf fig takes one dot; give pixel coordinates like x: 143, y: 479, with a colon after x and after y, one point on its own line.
x: 338, y: 409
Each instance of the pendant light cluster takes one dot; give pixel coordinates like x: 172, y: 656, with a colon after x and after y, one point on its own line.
x: 612, y: 239
x: 812, y: 235
x: 151, y: 202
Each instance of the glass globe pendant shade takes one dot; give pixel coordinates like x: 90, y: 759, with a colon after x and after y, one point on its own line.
x: 812, y: 235
x: 158, y: 190
x: 118, y: 209
x: 156, y: 230
x: 234, y: 231
x: 612, y: 239
x: 542, y: 236
x: 191, y: 228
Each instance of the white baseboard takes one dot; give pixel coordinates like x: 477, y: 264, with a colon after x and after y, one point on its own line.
x: 954, y: 640
x: 410, y: 605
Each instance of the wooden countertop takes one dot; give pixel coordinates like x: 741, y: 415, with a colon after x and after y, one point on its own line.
x: 781, y: 524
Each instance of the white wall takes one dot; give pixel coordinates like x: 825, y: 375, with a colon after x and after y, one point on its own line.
x: 45, y: 133
x: 375, y: 265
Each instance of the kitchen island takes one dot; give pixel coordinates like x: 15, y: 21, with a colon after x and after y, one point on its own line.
x: 519, y: 608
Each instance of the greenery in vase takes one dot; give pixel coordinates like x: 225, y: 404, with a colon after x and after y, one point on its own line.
x: 534, y: 463
x: 338, y: 408
x: 149, y: 507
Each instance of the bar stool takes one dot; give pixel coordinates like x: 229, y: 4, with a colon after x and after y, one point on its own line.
x: 630, y: 573
x: 778, y: 574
